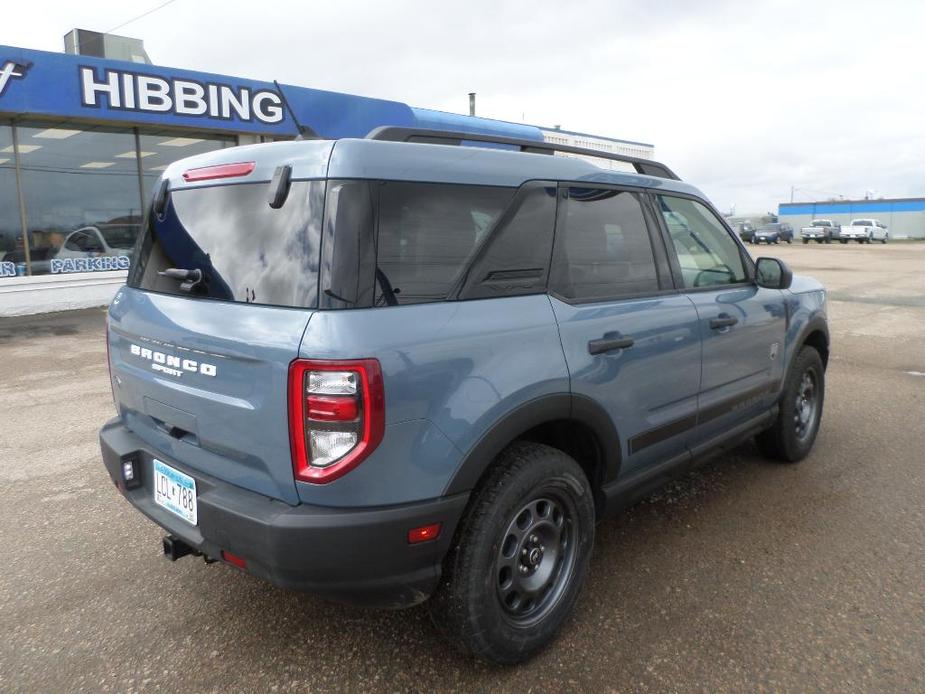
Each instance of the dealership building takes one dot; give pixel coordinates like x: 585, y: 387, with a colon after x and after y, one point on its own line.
x: 84, y: 139
x: 903, y: 217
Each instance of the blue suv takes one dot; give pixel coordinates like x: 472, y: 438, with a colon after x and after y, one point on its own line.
x: 415, y: 367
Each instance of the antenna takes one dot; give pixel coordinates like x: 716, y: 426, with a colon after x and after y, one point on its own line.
x: 305, y: 133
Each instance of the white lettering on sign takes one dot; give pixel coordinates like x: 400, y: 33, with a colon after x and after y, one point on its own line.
x: 12, y: 70
x: 98, y: 264
x: 129, y: 91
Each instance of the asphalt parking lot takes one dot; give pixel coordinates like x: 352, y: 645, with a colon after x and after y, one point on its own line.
x: 744, y: 576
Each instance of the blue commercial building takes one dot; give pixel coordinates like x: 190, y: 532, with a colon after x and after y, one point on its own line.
x: 83, y: 140
x: 904, y: 217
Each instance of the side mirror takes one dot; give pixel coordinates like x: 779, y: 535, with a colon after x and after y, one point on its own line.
x: 772, y: 273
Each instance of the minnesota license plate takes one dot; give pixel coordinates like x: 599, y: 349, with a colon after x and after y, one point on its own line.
x: 175, y: 491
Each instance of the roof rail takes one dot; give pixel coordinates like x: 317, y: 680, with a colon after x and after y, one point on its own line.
x: 394, y: 133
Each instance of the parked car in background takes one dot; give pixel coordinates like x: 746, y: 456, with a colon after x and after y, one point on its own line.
x: 820, y: 231
x: 745, y: 230
x: 773, y: 233
x: 102, y: 240
x: 865, y: 231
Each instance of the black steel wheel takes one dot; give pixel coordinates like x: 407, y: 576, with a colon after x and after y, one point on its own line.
x: 519, y: 557
x: 536, y: 558
x: 793, y: 433
x: 806, y: 405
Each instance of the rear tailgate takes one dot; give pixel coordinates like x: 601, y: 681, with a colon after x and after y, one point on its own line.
x: 205, y: 382
x: 222, y: 286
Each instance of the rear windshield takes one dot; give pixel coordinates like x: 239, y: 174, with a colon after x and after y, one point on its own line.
x: 819, y: 223
x: 245, y: 250
x: 861, y: 223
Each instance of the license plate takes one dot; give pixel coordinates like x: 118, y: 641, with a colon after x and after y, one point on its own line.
x: 175, y: 491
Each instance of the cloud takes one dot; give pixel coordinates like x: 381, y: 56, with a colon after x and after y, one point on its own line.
x: 744, y: 100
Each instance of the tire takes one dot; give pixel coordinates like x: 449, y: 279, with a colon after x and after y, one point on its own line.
x: 535, y: 498
x: 792, y: 435
x: 805, y: 241
x: 885, y: 239
x: 828, y: 241
x: 789, y: 240
x: 843, y: 240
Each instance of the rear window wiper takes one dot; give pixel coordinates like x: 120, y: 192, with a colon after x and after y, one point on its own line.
x: 189, y: 279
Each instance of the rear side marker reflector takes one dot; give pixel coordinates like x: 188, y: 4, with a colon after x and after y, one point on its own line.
x: 234, y: 559
x: 210, y: 173
x: 424, y: 533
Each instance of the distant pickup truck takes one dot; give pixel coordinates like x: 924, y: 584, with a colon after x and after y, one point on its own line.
x: 864, y: 231
x: 820, y: 231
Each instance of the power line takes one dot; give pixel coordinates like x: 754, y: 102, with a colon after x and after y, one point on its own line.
x: 143, y: 14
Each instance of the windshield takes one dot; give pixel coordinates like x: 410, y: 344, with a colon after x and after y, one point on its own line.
x: 245, y: 250
x: 768, y: 227
x: 119, y: 236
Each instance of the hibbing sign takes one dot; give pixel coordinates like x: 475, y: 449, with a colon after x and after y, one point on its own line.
x: 121, y: 90
x: 74, y: 86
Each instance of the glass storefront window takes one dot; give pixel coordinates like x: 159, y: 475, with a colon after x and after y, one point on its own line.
x: 81, y: 195
x: 11, y: 253
x: 159, y: 149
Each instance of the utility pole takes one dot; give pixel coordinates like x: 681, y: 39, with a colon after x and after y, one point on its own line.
x: 471, y: 103
x: 792, y: 188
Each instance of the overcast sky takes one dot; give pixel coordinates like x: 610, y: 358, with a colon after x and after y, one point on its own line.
x: 743, y: 99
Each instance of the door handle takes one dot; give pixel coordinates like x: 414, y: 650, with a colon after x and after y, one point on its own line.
x: 724, y: 320
x: 608, y: 344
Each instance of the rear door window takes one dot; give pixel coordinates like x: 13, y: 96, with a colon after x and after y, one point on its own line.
x: 603, y: 250
x: 427, y: 234
x: 245, y: 250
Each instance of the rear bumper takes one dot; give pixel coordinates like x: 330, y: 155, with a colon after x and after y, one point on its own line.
x: 358, y: 555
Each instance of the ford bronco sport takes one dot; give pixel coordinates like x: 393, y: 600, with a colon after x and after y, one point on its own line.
x: 413, y: 367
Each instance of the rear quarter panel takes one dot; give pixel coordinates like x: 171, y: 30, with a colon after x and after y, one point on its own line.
x: 451, y: 370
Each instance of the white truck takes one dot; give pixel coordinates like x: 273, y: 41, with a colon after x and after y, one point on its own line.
x: 864, y: 231
x: 820, y: 231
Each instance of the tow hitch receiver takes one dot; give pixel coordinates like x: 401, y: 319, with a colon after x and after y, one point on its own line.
x: 175, y: 548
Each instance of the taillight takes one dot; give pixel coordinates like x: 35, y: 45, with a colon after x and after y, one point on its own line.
x: 336, y: 416
x: 210, y: 173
